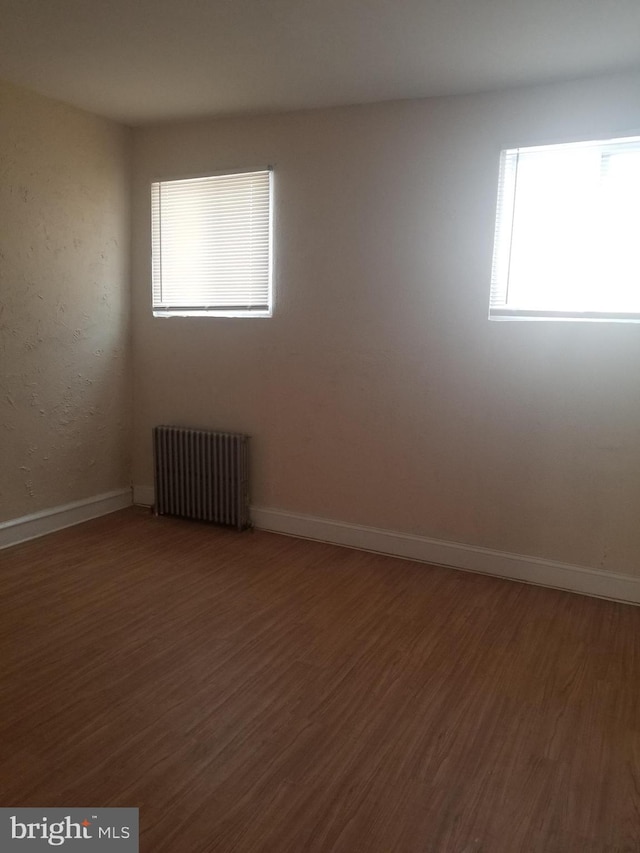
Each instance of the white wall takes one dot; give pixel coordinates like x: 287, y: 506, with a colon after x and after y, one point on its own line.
x: 379, y: 393
x: 64, y: 304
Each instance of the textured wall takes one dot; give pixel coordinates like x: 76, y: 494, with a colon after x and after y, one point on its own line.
x: 379, y: 393
x: 64, y: 304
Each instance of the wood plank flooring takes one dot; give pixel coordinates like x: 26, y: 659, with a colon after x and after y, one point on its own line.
x: 260, y: 694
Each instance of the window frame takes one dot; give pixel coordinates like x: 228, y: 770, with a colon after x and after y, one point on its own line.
x: 499, y: 309
x: 214, y: 311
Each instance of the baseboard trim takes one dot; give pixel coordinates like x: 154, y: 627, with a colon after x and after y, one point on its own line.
x: 143, y: 495
x: 56, y: 518
x: 470, y: 558
x: 455, y: 555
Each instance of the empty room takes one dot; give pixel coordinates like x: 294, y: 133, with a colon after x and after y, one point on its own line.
x: 320, y: 426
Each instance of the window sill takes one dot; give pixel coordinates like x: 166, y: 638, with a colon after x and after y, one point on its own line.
x: 241, y: 314
x: 572, y: 316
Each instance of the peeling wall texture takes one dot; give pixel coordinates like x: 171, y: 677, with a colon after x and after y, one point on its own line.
x: 64, y: 304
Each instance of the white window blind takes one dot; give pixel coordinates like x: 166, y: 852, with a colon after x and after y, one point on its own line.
x: 211, y: 245
x: 567, y: 241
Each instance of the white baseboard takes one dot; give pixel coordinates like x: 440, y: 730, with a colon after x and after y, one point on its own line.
x: 48, y: 520
x: 143, y: 495
x: 470, y: 558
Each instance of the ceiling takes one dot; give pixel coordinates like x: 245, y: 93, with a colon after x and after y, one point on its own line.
x: 142, y: 61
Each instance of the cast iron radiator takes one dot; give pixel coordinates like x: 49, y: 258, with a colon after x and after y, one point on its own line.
x: 202, y: 475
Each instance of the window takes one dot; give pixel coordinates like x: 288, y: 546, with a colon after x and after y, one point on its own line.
x: 567, y: 242
x: 211, y: 246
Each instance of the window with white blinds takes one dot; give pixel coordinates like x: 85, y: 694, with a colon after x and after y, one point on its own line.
x: 567, y: 240
x: 211, y: 245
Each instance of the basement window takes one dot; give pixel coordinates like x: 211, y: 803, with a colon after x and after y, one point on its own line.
x: 567, y: 240
x: 212, y: 246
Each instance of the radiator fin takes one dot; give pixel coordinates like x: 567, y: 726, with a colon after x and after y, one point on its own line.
x: 202, y: 475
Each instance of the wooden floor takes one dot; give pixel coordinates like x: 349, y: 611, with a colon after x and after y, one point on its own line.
x: 252, y: 692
